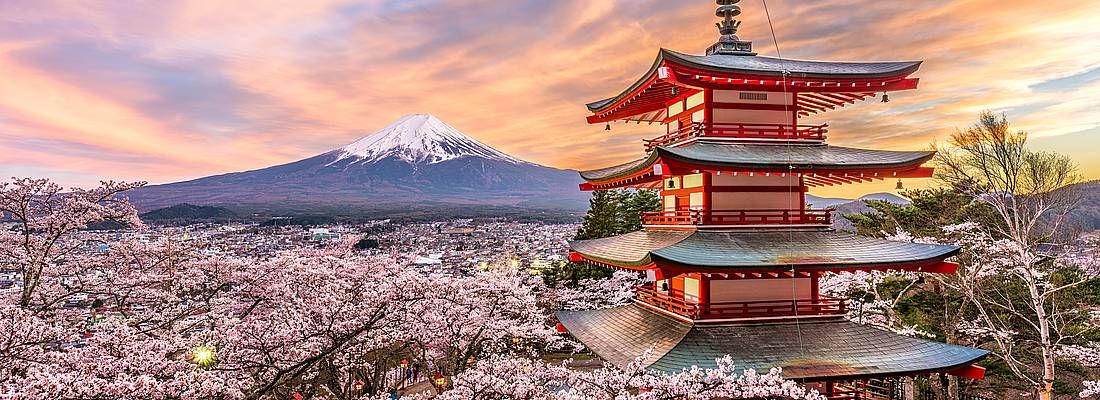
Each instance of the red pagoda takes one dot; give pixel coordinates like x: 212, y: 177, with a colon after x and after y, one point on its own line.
x: 734, y: 259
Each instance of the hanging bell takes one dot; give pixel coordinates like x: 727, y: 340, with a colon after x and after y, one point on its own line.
x: 607, y: 127
x: 885, y: 97
x: 901, y: 186
x: 675, y: 91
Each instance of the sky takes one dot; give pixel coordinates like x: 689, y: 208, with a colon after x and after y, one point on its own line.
x: 172, y: 90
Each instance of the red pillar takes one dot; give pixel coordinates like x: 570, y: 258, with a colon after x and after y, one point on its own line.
x: 815, y: 291
x: 707, y: 189
x: 704, y: 294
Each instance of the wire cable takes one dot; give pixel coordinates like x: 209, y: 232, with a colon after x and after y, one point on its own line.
x: 792, y: 179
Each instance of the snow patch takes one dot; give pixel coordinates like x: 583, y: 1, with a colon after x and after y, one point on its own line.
x: 419, y: 139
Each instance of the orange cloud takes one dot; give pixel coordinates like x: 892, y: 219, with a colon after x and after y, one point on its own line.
x: 300, y: 78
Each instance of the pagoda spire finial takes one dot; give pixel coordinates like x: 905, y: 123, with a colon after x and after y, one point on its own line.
x: 728, y: 43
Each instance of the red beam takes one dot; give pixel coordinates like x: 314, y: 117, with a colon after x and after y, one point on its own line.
x: 944, y: 267
x: 968, y: 372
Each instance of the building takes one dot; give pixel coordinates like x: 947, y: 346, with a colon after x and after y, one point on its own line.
x: 322, y: 235
x: 734, y: 259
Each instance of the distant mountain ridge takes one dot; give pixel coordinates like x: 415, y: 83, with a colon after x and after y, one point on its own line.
x: 829, y: 202
x: 1086, y: 215
x: 416, y: 162
x: 851, y: 206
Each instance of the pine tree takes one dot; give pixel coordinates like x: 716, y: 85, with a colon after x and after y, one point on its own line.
x: 633, y: 204
x: 602, y: 219
x: 610, y: 213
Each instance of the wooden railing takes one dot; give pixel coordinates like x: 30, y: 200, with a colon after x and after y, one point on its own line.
x: 674, y: 302
x: 741, y: 131
x: 756, y: 309
x: 738, y: 217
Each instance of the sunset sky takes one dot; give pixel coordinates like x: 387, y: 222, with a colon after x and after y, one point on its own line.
x: 172, y: 90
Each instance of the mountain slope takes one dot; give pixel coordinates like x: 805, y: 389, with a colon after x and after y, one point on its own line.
x: 851, y: 206
x: 418, y: 161
x: 189, y: 213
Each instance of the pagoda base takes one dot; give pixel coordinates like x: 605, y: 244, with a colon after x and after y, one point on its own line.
x: 812, y: 350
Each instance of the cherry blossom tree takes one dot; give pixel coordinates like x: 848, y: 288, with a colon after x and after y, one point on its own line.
x: 466, y: 318
x: 509, y: 378
x: 46, y: 218
x: 1092, y: 388
x: 162, y: 319
x: 593, y: 294
x: 1031, y: 193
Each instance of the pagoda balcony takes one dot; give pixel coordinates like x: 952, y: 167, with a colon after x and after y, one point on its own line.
x: 737, y: 217
x: 782, y: 132
x: 674, y: 302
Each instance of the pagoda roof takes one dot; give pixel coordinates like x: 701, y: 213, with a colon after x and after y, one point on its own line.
x: 758, y: 250
x: 765, y: 157
x: 806, y: 350
x: 672, y: 70
x: 763, y: 66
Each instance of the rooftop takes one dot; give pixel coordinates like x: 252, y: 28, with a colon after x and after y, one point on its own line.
x: 769, y: 156
x: 763, y: 66
x: 815, y: 350
x: 758, y: 250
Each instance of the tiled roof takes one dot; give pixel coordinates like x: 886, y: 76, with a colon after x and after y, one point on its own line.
x: 802, y: 157
x: 761, y: 65
x: 813, y: 350
x: 770, y: 66
x: 631, y: 249
x: 758, y: 249
x: 622, y: 334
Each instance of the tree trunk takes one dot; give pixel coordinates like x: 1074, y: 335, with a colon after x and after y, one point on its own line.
x: 1046, y: 390
x: 952, y: 387
x: 1046, y: 385
x: 908, y: 390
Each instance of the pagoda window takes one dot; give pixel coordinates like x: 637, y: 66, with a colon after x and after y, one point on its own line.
x: 753, y: 96
x: 670, y: 203
x: 698, y: 116
x: 693, y: 181
x: 691, y: 290
x: 737, y: 96
x: 695, y: 100
x: 675, y: 109
x: 695, y: 201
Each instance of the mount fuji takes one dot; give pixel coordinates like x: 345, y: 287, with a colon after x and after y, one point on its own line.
x: 417, y: 161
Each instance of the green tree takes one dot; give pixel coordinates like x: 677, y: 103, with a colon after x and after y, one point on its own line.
x: 610, y: 213
x: 927, y: 213
x: 631, y: 206
x: 1008, y: 284
x: 602, y: 219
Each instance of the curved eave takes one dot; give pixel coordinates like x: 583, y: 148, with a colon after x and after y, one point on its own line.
x: 807, y: 351
x: 799, y: 69
x: 629, y: 251
x: 889, y: 160
x: 778, y: 159
x: 762, y: 251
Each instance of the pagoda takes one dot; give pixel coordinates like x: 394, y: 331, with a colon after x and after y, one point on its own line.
x: 734, y: 259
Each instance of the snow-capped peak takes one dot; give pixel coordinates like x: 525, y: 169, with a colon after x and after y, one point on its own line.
x: 419, y: 138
